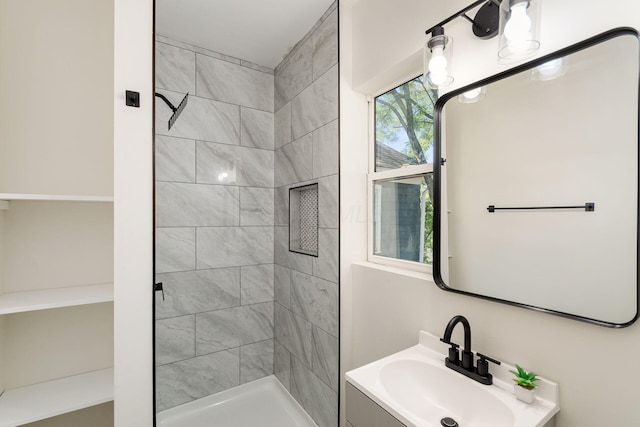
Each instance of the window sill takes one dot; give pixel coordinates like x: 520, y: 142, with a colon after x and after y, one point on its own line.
x: 396, y: 270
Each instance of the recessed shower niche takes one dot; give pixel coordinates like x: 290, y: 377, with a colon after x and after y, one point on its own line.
x: 303, y: 219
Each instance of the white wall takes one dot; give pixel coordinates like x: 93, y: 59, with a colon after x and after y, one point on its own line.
x: 386, y: 308
x: 53, y: 53
x: 133, y: 214
x: 353, y: 169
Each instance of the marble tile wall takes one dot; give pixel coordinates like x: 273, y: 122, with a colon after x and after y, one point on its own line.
x: 306, y: 288
x: 215, y: 223
x: 238, y: 304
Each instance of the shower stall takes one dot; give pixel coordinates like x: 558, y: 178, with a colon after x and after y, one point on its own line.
x: 247, y: 229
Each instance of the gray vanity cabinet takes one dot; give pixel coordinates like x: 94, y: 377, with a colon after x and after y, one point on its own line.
x: 364, y: 412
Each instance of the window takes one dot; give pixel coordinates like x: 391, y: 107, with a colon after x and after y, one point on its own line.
x: 401, y: 178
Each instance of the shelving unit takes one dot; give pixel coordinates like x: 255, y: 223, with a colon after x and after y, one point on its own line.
x: 48, y: 399
x: 56, y: 216
x: 54, y: 198
x: 19, y: 302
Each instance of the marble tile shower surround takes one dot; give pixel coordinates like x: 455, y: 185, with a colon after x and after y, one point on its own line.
x: 245, y: 308
x: 306, y: 288
x: 214, y: 183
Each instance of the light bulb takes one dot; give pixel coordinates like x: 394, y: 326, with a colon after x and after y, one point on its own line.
x: 519, y: 23
x: 438, y: 77
x: 438, y: 62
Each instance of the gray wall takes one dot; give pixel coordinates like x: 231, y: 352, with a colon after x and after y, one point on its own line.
x: 214, y: 219
x: 306, y: 287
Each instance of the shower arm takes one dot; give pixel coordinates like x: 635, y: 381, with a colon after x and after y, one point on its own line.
x: 164, y: 98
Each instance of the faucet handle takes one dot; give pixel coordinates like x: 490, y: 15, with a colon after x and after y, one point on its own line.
x: 454, y: 355
x: 452, y: 344
x: 483, y: 365
x: 490, y: 359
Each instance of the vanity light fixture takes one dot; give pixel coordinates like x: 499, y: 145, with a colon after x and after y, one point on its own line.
x: 437, y: 59
x: 519, y: 27
x: 517, y: 21
x: 438, y: 50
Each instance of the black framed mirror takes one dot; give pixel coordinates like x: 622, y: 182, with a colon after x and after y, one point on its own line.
x: 536, y: 193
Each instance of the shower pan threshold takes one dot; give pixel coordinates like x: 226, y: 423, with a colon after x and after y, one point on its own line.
x: 264, y: 402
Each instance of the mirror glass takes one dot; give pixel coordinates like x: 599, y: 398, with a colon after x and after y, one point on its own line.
x: 537, y: 196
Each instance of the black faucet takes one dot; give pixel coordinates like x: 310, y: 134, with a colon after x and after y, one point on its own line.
x: 465, y: 366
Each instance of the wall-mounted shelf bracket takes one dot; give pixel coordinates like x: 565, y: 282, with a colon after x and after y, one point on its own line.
x: 4, y: 205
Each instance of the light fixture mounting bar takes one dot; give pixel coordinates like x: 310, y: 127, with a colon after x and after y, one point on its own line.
x: 463, y: 13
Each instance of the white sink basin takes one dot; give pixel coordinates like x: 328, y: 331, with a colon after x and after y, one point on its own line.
x: 405, y: 380
x: 417, y: 388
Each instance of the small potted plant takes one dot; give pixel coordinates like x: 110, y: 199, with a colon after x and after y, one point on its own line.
x: 525, y: 384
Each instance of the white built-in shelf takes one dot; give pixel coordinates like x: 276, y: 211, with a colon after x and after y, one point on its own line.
x: 45, y: 400
x: 18, y: 302
x: 54, y: 198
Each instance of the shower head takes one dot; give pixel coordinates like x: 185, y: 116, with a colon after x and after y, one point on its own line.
x: 176, y: 110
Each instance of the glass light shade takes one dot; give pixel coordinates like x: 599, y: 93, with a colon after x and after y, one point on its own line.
x: 438, y: 52
x: 519, y: 29
x: 472, y: 95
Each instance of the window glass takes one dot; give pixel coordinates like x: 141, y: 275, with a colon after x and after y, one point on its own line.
x: 404, y: 126
x: 403, y: 218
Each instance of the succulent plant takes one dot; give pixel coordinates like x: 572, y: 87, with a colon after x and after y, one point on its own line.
x: 524, y: 379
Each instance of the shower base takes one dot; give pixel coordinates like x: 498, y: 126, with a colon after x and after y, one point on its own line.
x: 264, y: 402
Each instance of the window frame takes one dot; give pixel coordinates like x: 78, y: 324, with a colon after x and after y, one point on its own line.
x: 372, y: 176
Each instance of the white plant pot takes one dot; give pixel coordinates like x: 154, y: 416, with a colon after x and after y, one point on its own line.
x: 527, y: 396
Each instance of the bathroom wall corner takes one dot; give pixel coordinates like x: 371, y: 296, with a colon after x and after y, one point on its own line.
x: 307, y: 287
